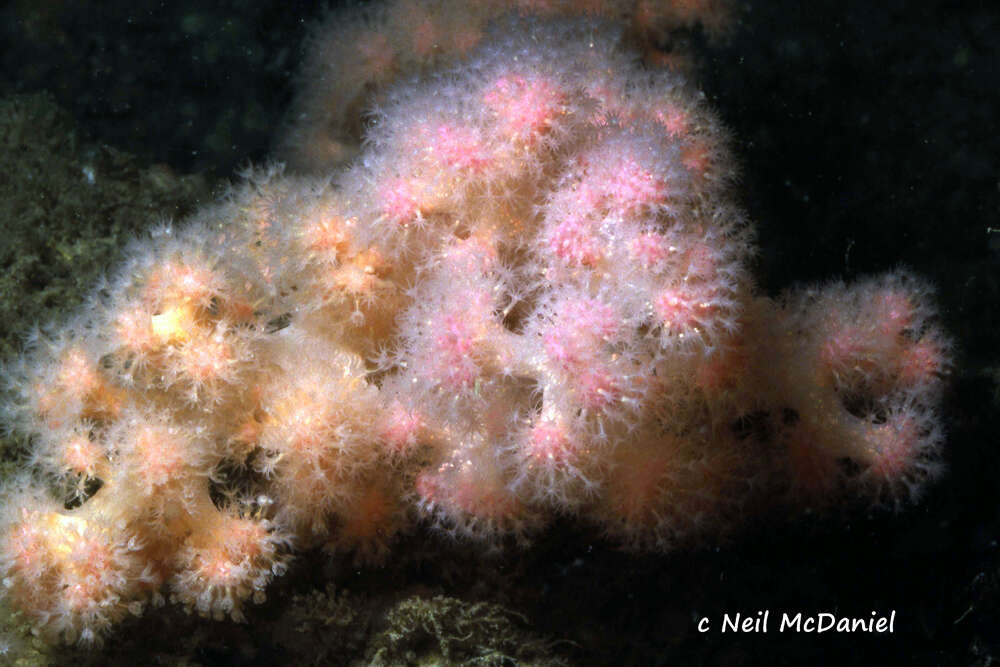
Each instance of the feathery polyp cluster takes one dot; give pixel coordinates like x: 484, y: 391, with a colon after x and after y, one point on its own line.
x: 227, y: 564
x: 868, y: 363
x: 75, y: 576
x: 354, y: 53
x: 527, y: 297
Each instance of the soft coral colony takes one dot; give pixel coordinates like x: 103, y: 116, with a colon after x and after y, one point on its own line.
x: 527, y: 296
